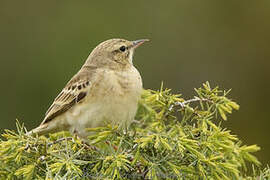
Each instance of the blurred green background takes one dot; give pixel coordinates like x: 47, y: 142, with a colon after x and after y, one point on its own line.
x: 43, y: 43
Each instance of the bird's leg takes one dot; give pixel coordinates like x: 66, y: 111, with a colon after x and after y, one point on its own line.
x: 84, y: 141
x: 116, y: 148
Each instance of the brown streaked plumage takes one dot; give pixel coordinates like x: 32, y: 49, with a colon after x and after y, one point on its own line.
x: 106, y: 88
x: 71, y: 94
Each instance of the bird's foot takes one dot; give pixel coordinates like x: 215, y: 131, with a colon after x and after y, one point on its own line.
x: 113, y: 146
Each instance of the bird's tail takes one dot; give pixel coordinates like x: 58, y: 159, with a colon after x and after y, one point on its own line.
x: 40, y: 130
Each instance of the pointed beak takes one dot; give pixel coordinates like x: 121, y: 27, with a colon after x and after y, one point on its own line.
x: 139, y: 42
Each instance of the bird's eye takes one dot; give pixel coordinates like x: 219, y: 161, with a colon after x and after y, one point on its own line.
x: 122, y: 48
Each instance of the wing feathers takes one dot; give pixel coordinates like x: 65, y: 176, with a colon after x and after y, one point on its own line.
x: 80, y: 96
x: 74, y: 92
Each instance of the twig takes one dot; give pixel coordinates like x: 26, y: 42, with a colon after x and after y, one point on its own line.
x: 183, y: 104
x: 60, y: 140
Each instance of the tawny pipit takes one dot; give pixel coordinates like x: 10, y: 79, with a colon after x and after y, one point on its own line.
x: 106, y: 89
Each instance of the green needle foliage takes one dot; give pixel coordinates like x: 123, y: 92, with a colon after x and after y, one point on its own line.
x: 172, y: 138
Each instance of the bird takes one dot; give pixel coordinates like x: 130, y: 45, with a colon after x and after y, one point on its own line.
x: 106, y: 89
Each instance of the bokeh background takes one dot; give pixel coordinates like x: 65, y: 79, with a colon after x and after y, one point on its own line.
x: 43, y: 43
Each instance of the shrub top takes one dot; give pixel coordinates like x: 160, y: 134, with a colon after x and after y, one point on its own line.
x: 172, y: 138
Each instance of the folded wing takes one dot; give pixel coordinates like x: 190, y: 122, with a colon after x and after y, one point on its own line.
x: 74, y: 92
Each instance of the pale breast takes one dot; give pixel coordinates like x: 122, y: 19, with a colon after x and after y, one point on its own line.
x: 113, y: 98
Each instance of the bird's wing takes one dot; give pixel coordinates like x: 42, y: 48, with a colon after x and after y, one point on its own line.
x: 74, y: 92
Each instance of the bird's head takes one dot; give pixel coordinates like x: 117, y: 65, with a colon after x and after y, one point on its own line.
x: 115, y: 52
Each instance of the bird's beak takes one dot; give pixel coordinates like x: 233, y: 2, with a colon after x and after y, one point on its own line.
x: 139, y: 42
